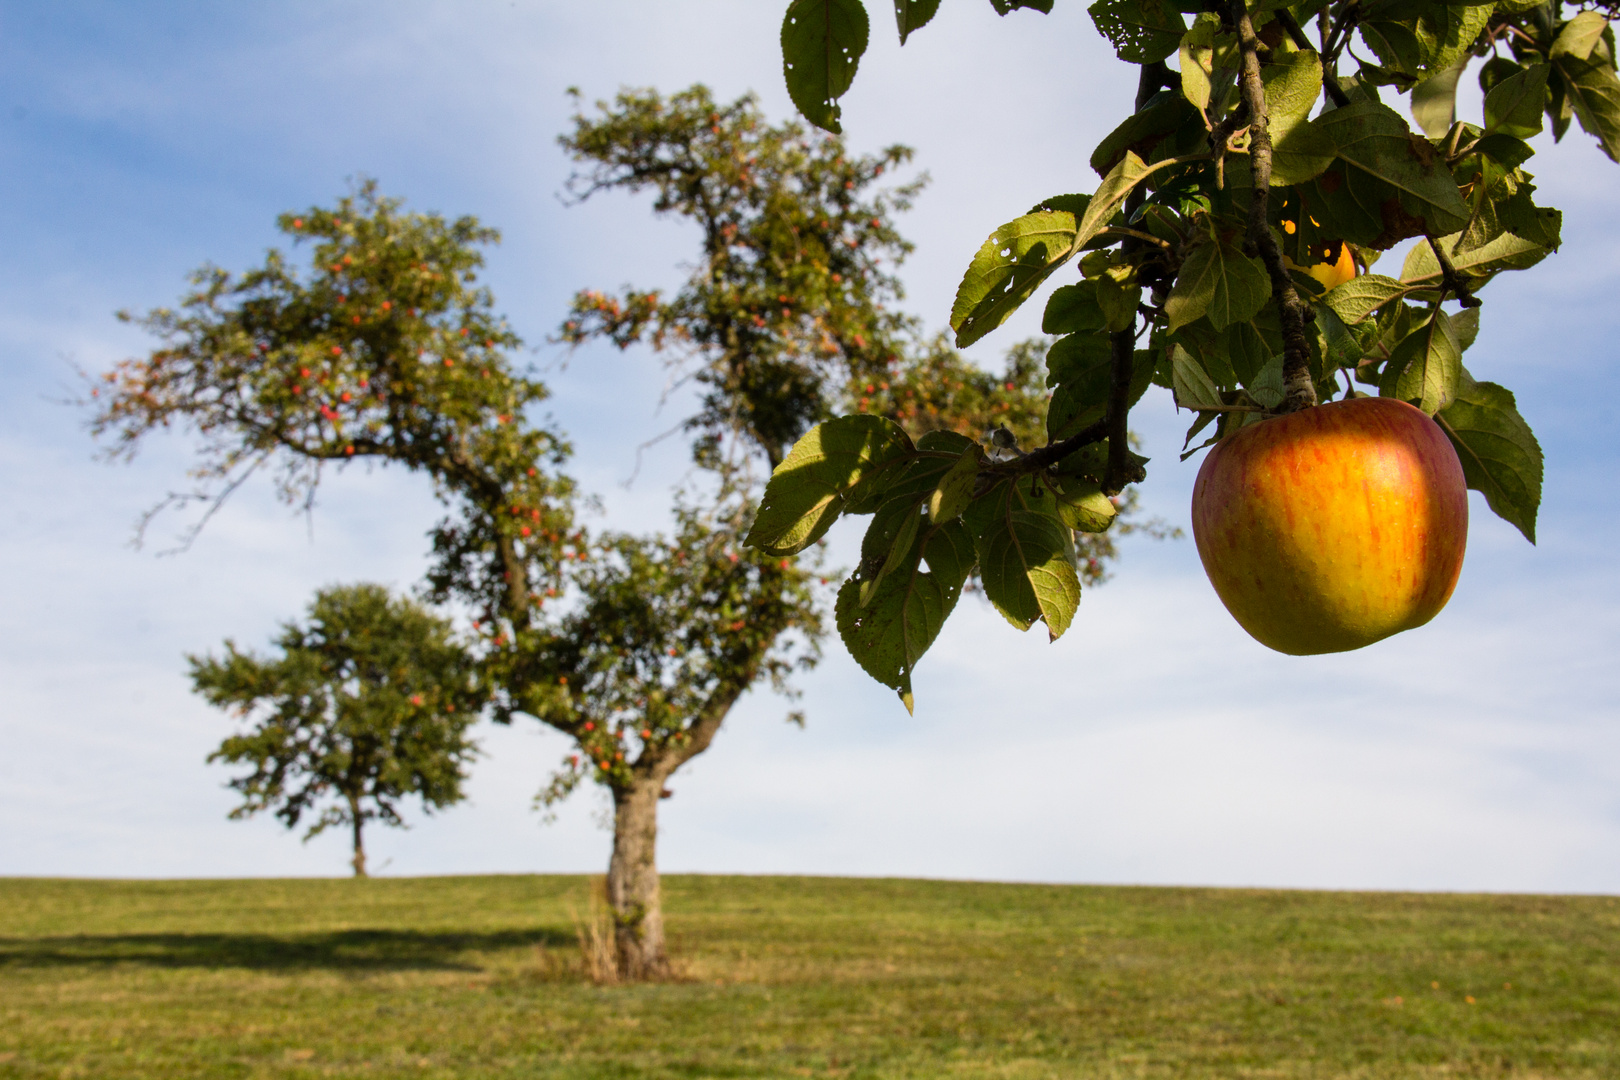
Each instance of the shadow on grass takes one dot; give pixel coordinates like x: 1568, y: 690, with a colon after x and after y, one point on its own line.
x: 347, y: 950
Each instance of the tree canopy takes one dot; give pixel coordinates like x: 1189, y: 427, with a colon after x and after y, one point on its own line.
x: 369, y: 704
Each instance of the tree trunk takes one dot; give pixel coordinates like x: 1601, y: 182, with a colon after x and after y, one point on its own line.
x: 633, y: 893
x: 359, y: 844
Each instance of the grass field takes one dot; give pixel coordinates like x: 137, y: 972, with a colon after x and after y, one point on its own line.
x: 793, y: 977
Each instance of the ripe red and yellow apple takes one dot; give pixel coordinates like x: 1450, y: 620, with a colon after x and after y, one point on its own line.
x: 1333, y: 527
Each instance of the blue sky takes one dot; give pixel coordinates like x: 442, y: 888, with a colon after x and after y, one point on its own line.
x: 1153, y: 743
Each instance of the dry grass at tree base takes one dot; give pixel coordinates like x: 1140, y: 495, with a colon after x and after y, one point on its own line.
x: 793, y: 977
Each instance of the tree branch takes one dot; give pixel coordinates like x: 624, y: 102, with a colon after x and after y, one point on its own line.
x: 1330, y: 77
x: 1052, y: 453
x: 1299, y: 391
x: 1449, y: 276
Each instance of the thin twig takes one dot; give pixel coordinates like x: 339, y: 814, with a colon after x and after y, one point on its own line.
x: 1451, y: 278
x: 1330, y: 77
x: 1052, y: 453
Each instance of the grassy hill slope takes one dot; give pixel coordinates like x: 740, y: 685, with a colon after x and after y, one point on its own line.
x: 785, y: 977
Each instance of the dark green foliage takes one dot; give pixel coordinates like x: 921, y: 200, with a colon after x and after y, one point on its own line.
x: 368, y: 705
x: 1237, y: 291
x: 667, y: 634
x: 791, y: 297
x: 386, y: 352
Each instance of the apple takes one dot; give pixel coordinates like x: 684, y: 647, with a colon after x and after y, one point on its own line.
x: 1333, y: 527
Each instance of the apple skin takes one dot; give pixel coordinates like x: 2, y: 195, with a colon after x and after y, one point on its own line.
x: 1333, y: 527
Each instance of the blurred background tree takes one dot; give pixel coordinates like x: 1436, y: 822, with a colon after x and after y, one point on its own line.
x: 368, y: 705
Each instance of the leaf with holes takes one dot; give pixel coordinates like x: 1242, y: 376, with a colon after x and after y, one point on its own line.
x: 826, y: 469
x: 890, y: 633
x: 1003, y: 7
x: 1008, y: 268
x: 822, y: 43
x: 913, y: 15
x: 1499, y: 453
x: 1022, y: 254
x: 1142, y: 31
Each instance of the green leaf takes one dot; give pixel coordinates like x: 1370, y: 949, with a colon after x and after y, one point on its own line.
x: 1217, y: 279
x: 1198, y: 58
x: 1434, y: 101
x: 1293, y: 82
x: 889, y: 634
x: 1082, y: 505
x: 1513, y: 106
x: 1023, y: 551
x: 1192, y: 384
x: 895, y: 524
x: 1073, y: 309
x: 1359, y: 297
x: 1506, y: 252
x: 1245, y: 349
x: 1426, y: 367
x: 1340, y: 346
x: 1142, y: 31
x: 1385, y: 184
x: 913, y: 15
x: 1080, y: 366
x: 1267, y: 388
x: 1579, y: 36
x: 1142, y: 131
x: 955, y: 489
x: 1499, y: 453
x: 1419, y: 37
x: 1008, y: 268
x: 1005, y: 6
x: 1505, y: 150
x: 822, y: 43
x: 1594, y: 94
x: 825, y: 470
x: 1022, y: 254
x: 1117, y: 303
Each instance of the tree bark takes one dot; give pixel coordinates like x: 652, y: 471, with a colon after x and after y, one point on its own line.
x: 358, y: 824
x: 633, y: 888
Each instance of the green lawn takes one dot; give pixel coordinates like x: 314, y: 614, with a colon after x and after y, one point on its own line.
x: 787, y: 977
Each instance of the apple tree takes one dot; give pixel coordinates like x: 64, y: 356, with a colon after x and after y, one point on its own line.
x: 1226, y: 252
x: 368, y: 704
x: 384, y: 349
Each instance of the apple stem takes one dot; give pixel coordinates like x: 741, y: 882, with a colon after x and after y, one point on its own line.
x: 1299, y: 391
